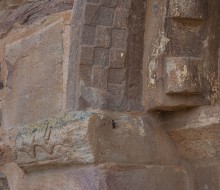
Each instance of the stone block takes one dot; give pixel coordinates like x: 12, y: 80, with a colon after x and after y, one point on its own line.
x: 105, y: 16
x: 183, y: 75
x: 84, y: 138
x: 189, y: 9
x: 99, y: 77
x: 34, y: 80
x: 103, y: 37
x: 116, y: 58
x: 88, y: 35
x: 119, y: 38
x: 197, y: 139
x: 111, y: 177
x: 116, y: 76
x: 109, y: 3
x: 101, y: 57
x: 91, y: 13
x: 86, y: 55
x: 187, y: 39
x: 85, y: 72
x: 121, y: 18
x: 207, y: 176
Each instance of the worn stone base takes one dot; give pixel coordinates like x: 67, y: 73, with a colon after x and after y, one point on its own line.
x: 107, y: 176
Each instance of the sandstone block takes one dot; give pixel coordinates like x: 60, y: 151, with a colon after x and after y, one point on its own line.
x: 84, y: 138
x: 99, y: 77
x: 116, y: 76
x: 121, y: 18
x: 34, y: 80
x: 88, y: 35
x: 86, y: 55
x: 101, y: 57
x: 105, y: 16
x: 103, y: 37
x: 116, y: 58
x: 91, y: 12
x: 112, y: 177
x: 190, y: 9
x: 183, y: 75
x: 207, y: 176
x: 85, y: 72
x: 119, y: 38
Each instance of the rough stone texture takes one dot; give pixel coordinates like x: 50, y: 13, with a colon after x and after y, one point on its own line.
x: 112, y: 39
x: 109, y: 94
x: 39, y: 87
x: 83, y: 138
x: 107, y: 176
x: 183, y: 75
x: 183, y: 34
x: 3, y: 182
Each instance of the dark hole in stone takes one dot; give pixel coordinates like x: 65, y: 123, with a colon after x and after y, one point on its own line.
x: 114, y: 124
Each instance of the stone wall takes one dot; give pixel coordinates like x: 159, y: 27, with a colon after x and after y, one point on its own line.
x: 109, y: 94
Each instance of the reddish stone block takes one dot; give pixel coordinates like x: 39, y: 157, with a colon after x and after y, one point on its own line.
x: 99, y: 77
x: 91, y: 12
x: 101, y: 56
x: 86, y: 73
x: 105, y: 16
x: 116, y: 58
x: 109, y: 3
x: 121, y: 18
x: 183, y: 75
x: 103, y: 36
x: 116, y: 76
x: 119, y: 38
x: 88, y: 35
x: 86, y: 55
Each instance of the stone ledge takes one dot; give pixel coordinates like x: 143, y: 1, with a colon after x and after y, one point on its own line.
x: 85, y: 138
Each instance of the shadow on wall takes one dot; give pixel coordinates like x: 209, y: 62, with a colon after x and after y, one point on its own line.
x: 3, y: 182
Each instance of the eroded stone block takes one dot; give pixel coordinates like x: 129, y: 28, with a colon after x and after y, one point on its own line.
x: 191, y: 9
x: 112, y: 177
x: 183, y: 75
x: 84, y: 138
x: 34, y: 77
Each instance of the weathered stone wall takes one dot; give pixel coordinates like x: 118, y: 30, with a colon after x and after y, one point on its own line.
x: 109, y: 94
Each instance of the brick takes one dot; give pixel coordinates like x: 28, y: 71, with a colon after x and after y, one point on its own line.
x: 119, y: 38
x: 101, y: 56
x: 116, y: 76
x: 116, y: 58
x: 86, y: 73
x: 99, y: 77
x: 91, y: 13
x: 88, y: 35
x: 105, y: 16
x: 86, y: 55
x: 121, y: 18
x: 103, y: 36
